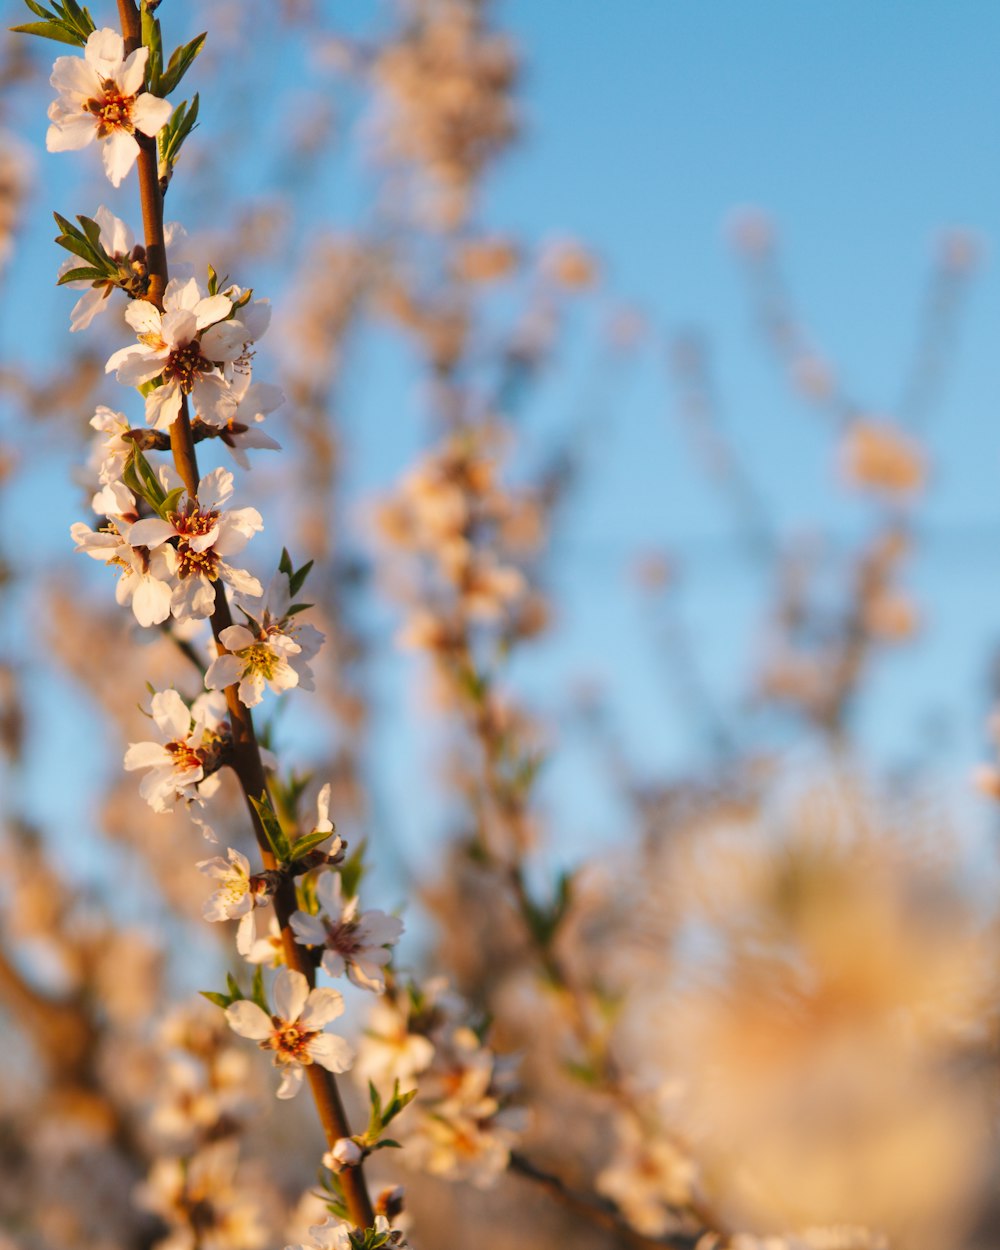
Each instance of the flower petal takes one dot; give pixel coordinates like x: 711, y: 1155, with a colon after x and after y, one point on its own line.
x: 119, y: 155
x: 247, y: 1019
x: 331, y: 1052
x: 291, y: 990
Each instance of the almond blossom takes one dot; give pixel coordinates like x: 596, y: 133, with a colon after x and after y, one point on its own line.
x: 188, y: 750
x: 146, y: 580
x: 186, y: 347
x: 238, y: 893
x: 204, y: 534
x: 101, y: 97
x: 334, y: 1234
x: 112, y: 451
x: 119, y: 245
x: 272, y: 649
x: 294, y: 1032
x: 269, y: 949
x: 253, y: 402
x: 359, y: 944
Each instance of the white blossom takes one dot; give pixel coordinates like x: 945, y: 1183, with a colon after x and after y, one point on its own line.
x: 205, y: 534
x: 295, y: 1030
x: 346, y: 1153
x: 146, y: 580
x: 253, y: 402
x: 352, y: 942
x: 186, y: 347
x: 188, y: 741
x: 101, y: 97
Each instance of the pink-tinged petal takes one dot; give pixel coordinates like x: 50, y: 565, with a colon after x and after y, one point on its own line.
x: 308, y: 929
x: 71, y: 75
x: 245, y: 934
x: 236, y: 528
x: 259, y: 399
x: 251, y: 690
x: 178, y: 327
x: 330, y: 1052
x: 283, y: 678
x: 215, y: 488
x: 222, y: 672
x: 291, y: 1081
x: 135, y: 364
x: 291, y: 990
x: 209, y: 310
x: 236, y: 637
x: 91, y: 542
x: 212, y: 399
x: 256, y: 317
x: 321, y: 1007
x: 323, y: 809
x: 329, y: 893
x: 240, y: 580
x: 255, y: 440
x: 377, y: 928
x: 181, y: 294
x: 282, y: 645
x: 366, y: 975
x: 131, y: 74
x: 150, y: 114
x: 150, y: 532
x: 247, y: 1019
x: 163, y: 405
x: 151, y: 601
x: 119, y: 155
x: 105, y: 51
x: 193, y: 599
x: 224, y: 341
x: 215, y: 867
x: 116, y: 237
x: 144, y: 317
x: 172, y: 716
x: 202, y: 542
x: 70, y: 135
x: 87, y: 307
x: 333, y: 964
x: 145, y: 755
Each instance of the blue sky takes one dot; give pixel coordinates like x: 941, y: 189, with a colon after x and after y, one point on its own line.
x: 863, y: 129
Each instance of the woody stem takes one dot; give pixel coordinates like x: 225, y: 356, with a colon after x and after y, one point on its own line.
x: 246, y: 752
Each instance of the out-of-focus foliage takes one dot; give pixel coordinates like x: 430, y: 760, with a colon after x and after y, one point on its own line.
x: 761, y: 1015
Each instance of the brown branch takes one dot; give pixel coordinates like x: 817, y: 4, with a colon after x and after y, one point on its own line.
x: 246, y: 762
x: 61, y: 1030
x: 597, y: 1210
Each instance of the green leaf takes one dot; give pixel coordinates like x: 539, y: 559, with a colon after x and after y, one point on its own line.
x: 273, y: 831
x: 170, y: 501
x: 49, y: 30
x: 296, y: 608
x: 297, y: 578
x: 153, y: 40
x: 65, y: 22
x: 235, y: 993
x: 257, y: 994
x: 179, y: 64
x: 85, y: 272
x: 220, y: 1000
x: 375, y: 1098
x: 309, y: 842
x: 171, y: 138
